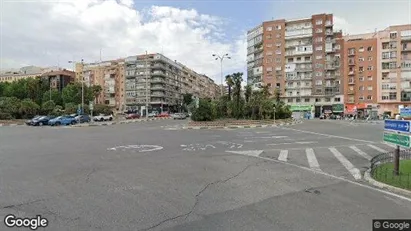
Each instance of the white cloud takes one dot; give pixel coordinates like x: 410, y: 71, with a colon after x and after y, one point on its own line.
x: 38, y: 32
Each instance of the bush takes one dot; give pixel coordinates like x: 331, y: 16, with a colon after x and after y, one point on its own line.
x: 204, y: 112
x: 5, y: 116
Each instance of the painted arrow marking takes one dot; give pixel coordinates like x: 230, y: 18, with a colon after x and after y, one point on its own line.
x: 140, y: 148
x: 248, y: 153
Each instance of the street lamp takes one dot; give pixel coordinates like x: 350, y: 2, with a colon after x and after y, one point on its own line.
x: 221, y: 58
x: 82, y: 84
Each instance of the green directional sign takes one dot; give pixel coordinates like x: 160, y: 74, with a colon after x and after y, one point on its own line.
x: 397, y: 139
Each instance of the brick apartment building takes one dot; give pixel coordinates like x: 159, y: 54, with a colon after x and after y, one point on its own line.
x: 58, y: 79
x: 302, y: 59
x: 378, y: 71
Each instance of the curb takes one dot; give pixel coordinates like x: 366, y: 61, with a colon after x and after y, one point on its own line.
x: 242, y: 126
x: 369, y: 122
x: 367, y: 177
x: 11, y: 125
x: 120, y: 122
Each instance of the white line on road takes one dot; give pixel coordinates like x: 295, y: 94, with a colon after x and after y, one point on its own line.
x: 347, y: 164
x: 376, y: 148
x: 312, y: 160
x: 306, y: 142
x: 283, y: 155
x: 361, y: 153
x: 280, y: 143
x: 391, y: 145
x: 328, y: 135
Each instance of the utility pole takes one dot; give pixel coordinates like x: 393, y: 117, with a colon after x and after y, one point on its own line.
x: 147, y: 97
x: 221, y: 58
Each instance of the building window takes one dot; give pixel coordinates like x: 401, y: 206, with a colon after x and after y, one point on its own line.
x: 319, y: 22
x: 269, y: 36
x: 307, y: 100
x: 278, y: 27
x: 318, y: 82
x: 361, y: 79
x: 278, y: 60
x: 370, y: 68
x: 318, y: 74
x: 278, y: 52
x: 269, y: 53
x: 319, y: 65
x: 318, y: 48
x: 361, y: 88
x: 327, y: 99
x: 278, y: 45
x: 393, y: 95
x: 361, y: 59
x: 369, y: 48
x: 318, y: 57
x: 298, y: 99
x: 369, y: 97
x: 337, y: 99
x: 318, y: 30
x: 361, y: 69
x: 268, y: 60
x: 385, y: 97
x: 369, y: 78
x: 269, y: 28
x: 361, y: 98
x: 269, y: 45
x: 369, y: 88
x: 317, y: 100
x: 278, y: 36
x: 319, y: 39
x: 361, y: 49
x: 369, y: 58
x: 290, y: 100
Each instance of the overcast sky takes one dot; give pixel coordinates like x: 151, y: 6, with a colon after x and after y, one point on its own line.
x: 50, y: 33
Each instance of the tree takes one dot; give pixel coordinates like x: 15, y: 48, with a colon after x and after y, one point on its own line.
x: 102, y: 109
x: 237, y: 78
x: 230, y: 83
x: 47, y: 107
x: 55, y: 96
x: 203, y: 112
x: 10, y: 105
x: 72, y: 94
x: 187, y: 98
x: 247, y: 93
x: 28, y: 108
x: 96, y: 90
x: 70, y: 108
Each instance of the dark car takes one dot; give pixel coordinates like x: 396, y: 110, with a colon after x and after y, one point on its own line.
x: 29, y: 122
x: 43, y: 120
x: 132, y: 116
x: 83, y: 118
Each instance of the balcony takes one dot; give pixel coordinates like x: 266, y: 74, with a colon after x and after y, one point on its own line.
x: 351, y: 63
x: 158, y: 94
x: 406, y: 49
x: 351, y: 73
x: 351, y: 53
x: 350, y: 92
x: 305, y: 69
x: 329, y: 33
x: 330, y: 76
x: 158, y: 80
x: 158, y: 66
x: 406, y: 38
x: 158, y: 73
x: 328, y: 24
x: 331, y: 67
x: 351, y: 83
x: 157, y: 87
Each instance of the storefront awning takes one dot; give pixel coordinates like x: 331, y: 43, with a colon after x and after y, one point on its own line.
x: 300, y: 108
x: 338, y: 108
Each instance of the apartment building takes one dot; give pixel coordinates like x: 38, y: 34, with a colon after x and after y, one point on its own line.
x: 162, y: 82
x: 58, y: 79
x: 24, y: 73
x: 360, y: 68
x: 394, y: 61
x: 110, y: 76
x: 302, y: 59
x: 378, y: 71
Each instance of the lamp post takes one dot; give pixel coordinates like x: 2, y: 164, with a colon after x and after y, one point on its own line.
x: 221, y: 58
x: 82, y: 83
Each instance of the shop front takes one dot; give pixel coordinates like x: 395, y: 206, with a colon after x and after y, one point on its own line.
x: 301, y: 111
x: 338, y: 109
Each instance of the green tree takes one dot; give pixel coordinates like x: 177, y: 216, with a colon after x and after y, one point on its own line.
x: 247, y: 93
x: 95, y: 91
x: 203, y: 112
x: 47, y: 107
x: 230, y: 83
x: 102, y: 109
x: 28, y: 108
x: 55, y: 96
x: 57, y: 111
x: 237, y: 78
x: 11, y: 106
x: 70, y: 108
x: 187, y: 98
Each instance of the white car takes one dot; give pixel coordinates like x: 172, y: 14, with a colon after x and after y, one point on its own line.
x: 103, y: 117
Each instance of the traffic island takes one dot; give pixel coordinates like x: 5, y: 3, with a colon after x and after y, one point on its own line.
x: 233, y: 124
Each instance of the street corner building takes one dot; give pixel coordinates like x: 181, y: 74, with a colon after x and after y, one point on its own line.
x: 319, y: 70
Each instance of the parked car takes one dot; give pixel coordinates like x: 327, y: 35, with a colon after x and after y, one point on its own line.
x: 152, y: 114
x: 179, y: 116
x: 40, y: 121
x: 103, y: 117
x: 133, y: 116
x: 83, y: 118
x: 63, y: 120
x: 163, y: 114
x: 29, y: 122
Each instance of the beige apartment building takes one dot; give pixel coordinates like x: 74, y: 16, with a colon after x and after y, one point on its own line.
x: 302, y: 59
x: 160, y: 82
x: 110, y: 76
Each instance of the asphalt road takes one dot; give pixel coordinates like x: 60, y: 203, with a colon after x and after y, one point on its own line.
x: 154, y: 176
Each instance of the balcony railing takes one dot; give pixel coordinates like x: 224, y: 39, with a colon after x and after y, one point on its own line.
x: 351, y: 92
x: 352, y: 82
x: 157, y: 80
x: 351, y: 53
x: 331, y: 67
x: 351, y: 73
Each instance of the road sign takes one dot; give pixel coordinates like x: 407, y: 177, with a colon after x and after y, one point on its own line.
x: 397, y: 125
x: 397, y: 139
x: 405, y: 112
x: 91, y: 105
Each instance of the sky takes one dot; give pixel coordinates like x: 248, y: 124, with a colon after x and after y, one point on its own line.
x: 52, y: 32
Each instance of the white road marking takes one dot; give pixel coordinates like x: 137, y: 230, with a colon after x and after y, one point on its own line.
x: 255, y: 153
x: 283, y: 155
x: 143, y: 148
x: 391, y: 145
x: 328, y: 135
x: 312, y: 160
x: 376, y: 148
x: 280, y: 143
x: 347, y: 164
x: 306, y: 142
x: 361, y: 153
x: 338, y: 178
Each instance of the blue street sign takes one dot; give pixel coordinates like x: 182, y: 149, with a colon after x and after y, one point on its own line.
x: 397, y: 125
x: 405, y: 112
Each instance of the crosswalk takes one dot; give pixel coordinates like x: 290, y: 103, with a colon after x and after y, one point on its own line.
x: 344, y: 161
